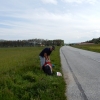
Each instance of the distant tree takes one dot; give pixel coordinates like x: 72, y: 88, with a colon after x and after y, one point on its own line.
x: 58, y: 42
x: 31, y: 42
x: 94, y: 40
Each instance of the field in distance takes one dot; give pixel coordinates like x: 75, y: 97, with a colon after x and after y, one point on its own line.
x: 91, y: 47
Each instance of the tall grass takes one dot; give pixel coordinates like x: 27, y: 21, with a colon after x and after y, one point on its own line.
x: 22, y: 79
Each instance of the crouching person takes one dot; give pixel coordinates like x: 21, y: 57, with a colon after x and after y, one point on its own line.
x: 45, y: 54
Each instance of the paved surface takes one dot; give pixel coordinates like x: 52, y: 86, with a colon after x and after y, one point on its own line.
x: 81, y: 71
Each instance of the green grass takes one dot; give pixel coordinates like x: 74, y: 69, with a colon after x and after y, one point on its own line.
x: 22, y: 79
x: 92, y: 47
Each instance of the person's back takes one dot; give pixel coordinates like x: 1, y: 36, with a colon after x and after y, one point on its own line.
x: 46, y: 50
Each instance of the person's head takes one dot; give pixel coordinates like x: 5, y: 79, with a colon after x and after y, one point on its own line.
x: 52, y: 48
x: 47, y: 70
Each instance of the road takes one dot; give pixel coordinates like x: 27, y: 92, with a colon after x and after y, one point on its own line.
x: 81, y: 70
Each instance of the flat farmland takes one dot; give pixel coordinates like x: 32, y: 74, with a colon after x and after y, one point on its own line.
x: 22, y: 79
x: 92, y: 47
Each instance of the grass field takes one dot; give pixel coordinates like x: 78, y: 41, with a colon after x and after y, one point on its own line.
x: 22, y: 79
x: 92, y: 47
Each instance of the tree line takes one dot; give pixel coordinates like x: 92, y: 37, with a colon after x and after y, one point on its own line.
x: 94, y: 40
x: 31, y: 42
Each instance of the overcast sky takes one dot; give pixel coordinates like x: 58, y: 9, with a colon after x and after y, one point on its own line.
x: 69, y: 20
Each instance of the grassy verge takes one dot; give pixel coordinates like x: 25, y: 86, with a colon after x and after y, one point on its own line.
x: 22, y: 79
x: 92, y: 47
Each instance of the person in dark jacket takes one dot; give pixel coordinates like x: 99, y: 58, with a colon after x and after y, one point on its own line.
x: 45, y: 55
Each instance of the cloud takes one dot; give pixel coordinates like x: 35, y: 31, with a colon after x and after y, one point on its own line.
x: 48, y: 25
x: 81, y: 1
x: 33, y: 19
x: 73, y: 1
x: 50, y: 1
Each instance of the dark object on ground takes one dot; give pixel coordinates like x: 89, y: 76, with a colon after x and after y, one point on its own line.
x: 47, y: 70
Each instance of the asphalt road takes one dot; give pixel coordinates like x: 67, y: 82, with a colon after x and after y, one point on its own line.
x: 81, y: 70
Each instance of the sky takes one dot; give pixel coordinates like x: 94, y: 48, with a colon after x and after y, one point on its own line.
x: 70, y: 20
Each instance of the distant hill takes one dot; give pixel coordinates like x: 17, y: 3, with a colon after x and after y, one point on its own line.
x: 94, y: 40
x: 1, y: 40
